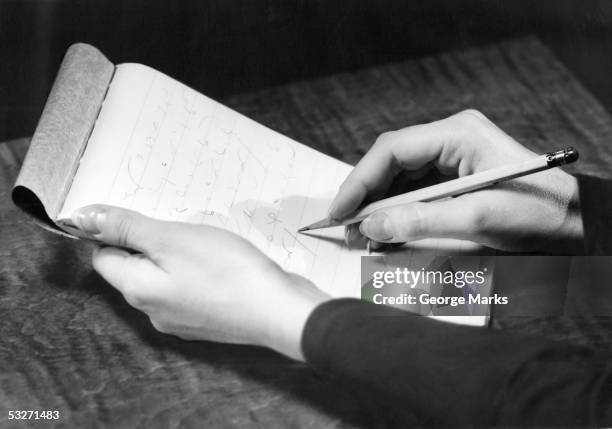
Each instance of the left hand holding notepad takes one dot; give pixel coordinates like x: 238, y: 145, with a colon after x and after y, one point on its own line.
x: 192, y: 287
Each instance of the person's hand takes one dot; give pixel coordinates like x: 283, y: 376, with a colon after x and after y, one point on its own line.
x: 538, y: 212
x: 199, y: 282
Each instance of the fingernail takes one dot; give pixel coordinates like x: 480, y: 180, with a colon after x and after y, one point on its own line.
x: 89, y: 219
x: 375, y: 245
x: 333, y: 208
x: 347, y: 238
x: 352, y: 236
x: 377, y: 227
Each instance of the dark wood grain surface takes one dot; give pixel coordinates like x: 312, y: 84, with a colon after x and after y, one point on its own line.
x: 69, y: 342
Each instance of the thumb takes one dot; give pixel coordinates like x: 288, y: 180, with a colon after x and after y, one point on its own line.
x: 115, y: 226
x: 452, y: 218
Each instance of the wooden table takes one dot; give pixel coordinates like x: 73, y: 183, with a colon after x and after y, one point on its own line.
x: 69, y: 342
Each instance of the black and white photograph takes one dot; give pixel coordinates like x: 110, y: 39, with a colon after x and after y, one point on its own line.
x: 305, y: 214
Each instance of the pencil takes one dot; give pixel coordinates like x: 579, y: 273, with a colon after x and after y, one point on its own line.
x: 456, y: 187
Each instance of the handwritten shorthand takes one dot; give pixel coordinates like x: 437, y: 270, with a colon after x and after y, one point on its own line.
x: 163, y: 149
x: 192, y: 159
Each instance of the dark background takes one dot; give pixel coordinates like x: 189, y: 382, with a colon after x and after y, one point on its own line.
x: 222, y: 47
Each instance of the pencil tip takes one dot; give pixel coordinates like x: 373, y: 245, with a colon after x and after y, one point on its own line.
x: 302, y: 229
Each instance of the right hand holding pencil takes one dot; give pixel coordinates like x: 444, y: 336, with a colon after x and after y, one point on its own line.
x: 539, y: 212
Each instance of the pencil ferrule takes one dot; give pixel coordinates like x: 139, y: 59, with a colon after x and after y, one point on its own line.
x: 561, y: 157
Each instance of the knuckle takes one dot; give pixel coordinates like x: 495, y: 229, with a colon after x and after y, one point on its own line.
x: 471, y: 125
x: 473, y: 115
x: 385, y: 138
x: 418, y: 221
x: 160, y: 326
x: 125, y: 226
x: 412, y: 224
x: 471, y: 119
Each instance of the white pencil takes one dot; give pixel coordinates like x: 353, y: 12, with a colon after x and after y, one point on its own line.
x: 456, y: 187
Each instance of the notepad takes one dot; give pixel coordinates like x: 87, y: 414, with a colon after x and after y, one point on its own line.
x: 169, y: 152
x: 132, y: 137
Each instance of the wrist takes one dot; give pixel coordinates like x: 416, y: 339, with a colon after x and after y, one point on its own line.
x: 289, y: 315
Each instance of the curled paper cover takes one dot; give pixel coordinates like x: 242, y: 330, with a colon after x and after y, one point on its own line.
x: 62, y: 133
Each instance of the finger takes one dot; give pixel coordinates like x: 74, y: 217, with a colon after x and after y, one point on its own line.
x: 375, y: 245
x: 137, y: 278
x: 353, y: 238
x: 411, y: 148
x: 116, y: 226
x: 453, y: 218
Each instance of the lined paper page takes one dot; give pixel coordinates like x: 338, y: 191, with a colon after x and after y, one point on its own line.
x: 164, y: 150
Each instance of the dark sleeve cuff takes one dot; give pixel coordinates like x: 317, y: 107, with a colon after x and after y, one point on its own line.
x: 596, y: 207
x: 450, y: 374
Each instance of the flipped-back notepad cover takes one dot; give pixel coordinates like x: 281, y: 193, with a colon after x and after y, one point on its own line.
x: 62, y: 133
